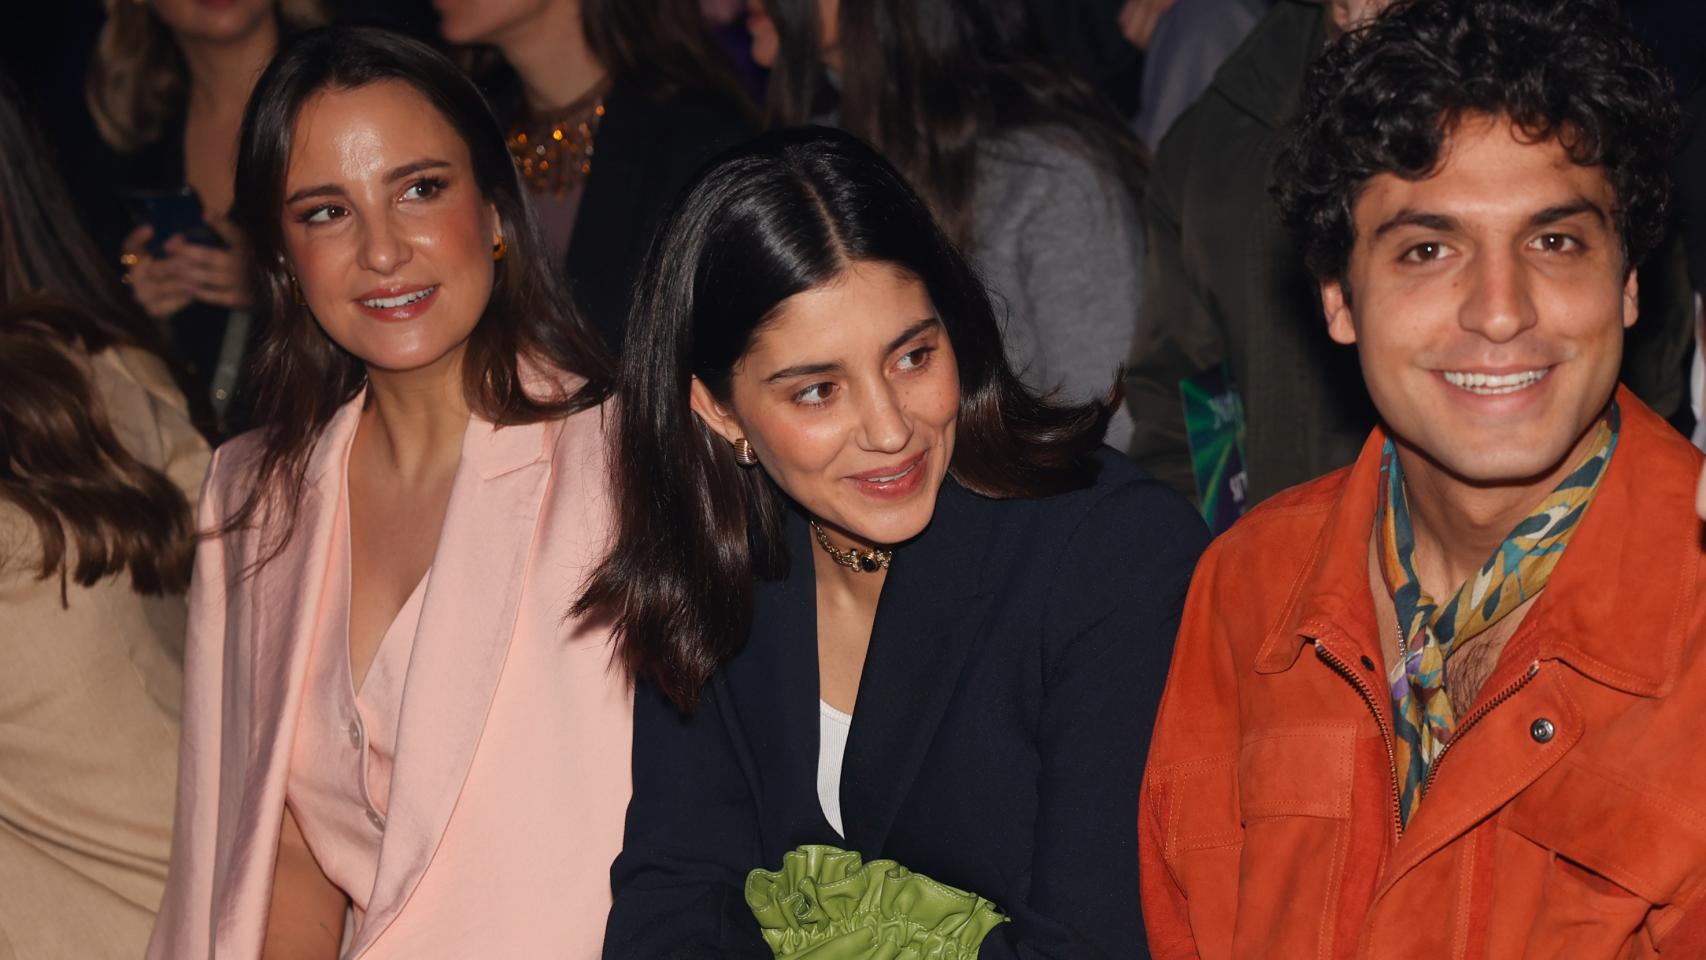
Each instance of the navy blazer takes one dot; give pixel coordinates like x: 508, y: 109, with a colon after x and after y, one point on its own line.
x: 1003, y: 717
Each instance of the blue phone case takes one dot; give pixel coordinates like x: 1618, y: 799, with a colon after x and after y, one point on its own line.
x: 171, y: 213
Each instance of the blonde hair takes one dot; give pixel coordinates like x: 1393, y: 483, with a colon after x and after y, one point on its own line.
x: 137, y: 73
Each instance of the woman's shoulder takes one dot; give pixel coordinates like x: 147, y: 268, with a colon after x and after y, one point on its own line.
x: 145, y: 369
x: 577, y: 442
x: 232, y: 474
x: 150, y: 416
x: 1125, y: 517
x: 547, y: 383
x: 1122, y: 487
x: 238, y: 456
x: 1048, y: 173
x: 1044, y: 156
x: 584, y: 434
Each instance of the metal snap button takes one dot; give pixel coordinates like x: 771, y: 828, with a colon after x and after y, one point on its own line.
x: 1542, y: 730
x: 355, y: 735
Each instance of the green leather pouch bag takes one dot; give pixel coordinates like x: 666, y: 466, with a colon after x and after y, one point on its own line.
x: 827, y: 904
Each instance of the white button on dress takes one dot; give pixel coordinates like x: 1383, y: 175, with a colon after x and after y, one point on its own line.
x: 339, y: 784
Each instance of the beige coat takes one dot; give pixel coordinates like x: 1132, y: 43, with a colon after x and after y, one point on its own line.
x: 89, y: 705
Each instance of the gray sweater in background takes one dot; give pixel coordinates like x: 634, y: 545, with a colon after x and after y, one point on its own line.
x: 1060, y: 246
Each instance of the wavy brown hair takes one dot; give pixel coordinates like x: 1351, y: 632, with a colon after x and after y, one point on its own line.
x: 61, y: 464
x: 657, y: 48
x: 137, y: 74
x: 302, y: 377
x: 788, y: 213
x: 59, y: 461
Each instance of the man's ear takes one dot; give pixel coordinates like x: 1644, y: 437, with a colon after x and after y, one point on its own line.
x: 719, y: 418
x: 1336, y: 304
x: 1631, y: 298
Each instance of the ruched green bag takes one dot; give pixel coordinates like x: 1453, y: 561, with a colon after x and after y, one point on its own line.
x: 827, y: 904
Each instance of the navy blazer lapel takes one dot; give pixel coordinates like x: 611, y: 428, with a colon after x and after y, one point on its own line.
x: 773, y: 685
x: 924, y: 629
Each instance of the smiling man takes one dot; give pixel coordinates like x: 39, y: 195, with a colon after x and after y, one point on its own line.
x: 1443, y: 703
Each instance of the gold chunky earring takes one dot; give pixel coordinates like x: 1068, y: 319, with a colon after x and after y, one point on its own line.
x: 744, y: 454
x: 500, y: 248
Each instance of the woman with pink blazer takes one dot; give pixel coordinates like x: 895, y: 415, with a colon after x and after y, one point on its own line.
x: 396, y: 743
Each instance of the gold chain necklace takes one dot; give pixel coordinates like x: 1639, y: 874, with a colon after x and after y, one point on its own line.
x: 868, y: 562
x: 554, y: 152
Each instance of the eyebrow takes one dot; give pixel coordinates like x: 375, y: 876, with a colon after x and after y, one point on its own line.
x: 392, y: 176
x: 809, y: 369
x: 1417, y: 218
x: 1449, y: 224
x: 1565, y: 211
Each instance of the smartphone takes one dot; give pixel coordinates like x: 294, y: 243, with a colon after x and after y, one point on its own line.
x: 171, y: 213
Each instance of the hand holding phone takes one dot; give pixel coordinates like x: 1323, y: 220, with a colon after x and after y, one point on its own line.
x: 174, y: 257
x: 156, y: 282
x: 171, y: 213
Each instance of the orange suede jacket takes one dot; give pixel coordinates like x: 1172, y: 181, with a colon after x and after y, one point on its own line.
x: 1566, y: 819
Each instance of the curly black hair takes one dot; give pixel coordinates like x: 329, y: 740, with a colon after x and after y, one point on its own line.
x: 1383, y: 99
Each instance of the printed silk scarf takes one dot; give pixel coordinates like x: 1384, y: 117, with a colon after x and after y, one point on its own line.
x: 1422, y: 716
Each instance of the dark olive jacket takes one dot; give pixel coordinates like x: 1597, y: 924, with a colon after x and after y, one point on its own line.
x: 1226, y: 284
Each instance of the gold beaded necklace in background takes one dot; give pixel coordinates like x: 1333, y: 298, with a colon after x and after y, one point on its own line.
x: 554, y: 151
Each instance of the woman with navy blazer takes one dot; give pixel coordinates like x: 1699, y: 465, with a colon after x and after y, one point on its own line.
x: 880, y: 597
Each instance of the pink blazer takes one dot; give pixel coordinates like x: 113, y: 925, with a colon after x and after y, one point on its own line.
x: 512, y: 769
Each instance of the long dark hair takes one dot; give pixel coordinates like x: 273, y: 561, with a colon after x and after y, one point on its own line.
x: 656, y: 48
x: 301, y: 376
x: 785, y: 214
x: 659, y: 47
x: 929, y: 82
x: 60, y: 462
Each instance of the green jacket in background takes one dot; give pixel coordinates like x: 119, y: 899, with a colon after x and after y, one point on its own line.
x: 1225, y: 284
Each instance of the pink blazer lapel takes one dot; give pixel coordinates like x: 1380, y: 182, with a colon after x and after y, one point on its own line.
x: 272, y: 664
x: 468, y: 617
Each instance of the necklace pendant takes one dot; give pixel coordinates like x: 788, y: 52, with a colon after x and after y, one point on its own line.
x: 868, y: 562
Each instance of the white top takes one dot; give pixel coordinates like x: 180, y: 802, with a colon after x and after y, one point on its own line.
x: 831, y: 747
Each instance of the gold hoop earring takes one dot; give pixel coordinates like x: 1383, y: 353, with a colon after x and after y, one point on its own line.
x: 500, y: 248
x: 744, y: 454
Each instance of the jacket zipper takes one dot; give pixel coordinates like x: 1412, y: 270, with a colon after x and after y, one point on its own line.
x: 1475, y: 716
x: 1343, y: 669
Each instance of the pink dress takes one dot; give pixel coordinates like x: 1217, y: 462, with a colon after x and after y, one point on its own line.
x: 339, y: 785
